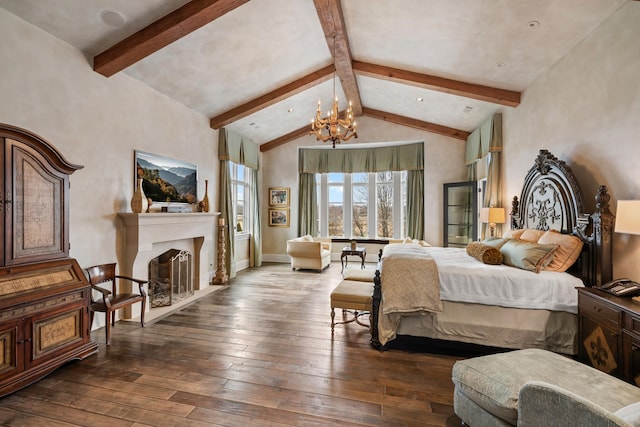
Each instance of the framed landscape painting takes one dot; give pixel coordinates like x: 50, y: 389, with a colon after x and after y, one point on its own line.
x: 278, y: 217
x: 166, y: 180
x: 279, y: 196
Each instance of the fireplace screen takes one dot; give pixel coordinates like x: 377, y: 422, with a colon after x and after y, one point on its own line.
x: 170, y: 278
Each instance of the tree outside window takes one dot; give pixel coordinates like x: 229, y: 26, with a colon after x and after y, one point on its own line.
x: 384, y: 202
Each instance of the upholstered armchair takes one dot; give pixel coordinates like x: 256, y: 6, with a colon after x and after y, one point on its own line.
x: 307, y: 252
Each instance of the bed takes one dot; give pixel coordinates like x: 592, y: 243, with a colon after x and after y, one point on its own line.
x: 462, y: 299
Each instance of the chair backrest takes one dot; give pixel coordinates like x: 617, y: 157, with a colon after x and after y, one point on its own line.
x: 102, y: 273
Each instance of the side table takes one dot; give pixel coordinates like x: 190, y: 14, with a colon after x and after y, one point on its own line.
x: 347, y: 251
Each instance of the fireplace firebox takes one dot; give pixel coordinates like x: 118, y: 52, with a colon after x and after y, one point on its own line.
x: 170, y: 278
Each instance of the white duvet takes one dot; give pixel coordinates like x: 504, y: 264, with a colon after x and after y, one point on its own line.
x: 465, y: 279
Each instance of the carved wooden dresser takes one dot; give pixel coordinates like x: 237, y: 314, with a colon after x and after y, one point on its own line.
x: 44, y: 295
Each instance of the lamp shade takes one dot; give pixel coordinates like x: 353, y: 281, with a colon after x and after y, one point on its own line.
x: 628, y: 217
x: 492, y: 215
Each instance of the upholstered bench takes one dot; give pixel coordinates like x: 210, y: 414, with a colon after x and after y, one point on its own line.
x: 351, y: 295
x: 359, y: 275
x: 539, y: 388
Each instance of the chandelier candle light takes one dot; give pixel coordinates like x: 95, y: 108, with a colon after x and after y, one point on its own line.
x: 333, y: 128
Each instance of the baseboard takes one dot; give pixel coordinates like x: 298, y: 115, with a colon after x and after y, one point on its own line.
x: 281, y: 258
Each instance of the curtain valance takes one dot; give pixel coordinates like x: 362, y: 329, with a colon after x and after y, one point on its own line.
x: 351, y: 160
x: 485, y: 139
x: 237, y: 148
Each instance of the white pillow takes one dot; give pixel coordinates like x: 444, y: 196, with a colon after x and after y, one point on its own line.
x: 630, y: 413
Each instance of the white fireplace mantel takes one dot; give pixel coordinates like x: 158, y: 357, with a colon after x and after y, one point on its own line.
x: 140, y: 232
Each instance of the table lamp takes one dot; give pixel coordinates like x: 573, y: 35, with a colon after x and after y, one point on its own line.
x: 628, y: 217
x: 492, y: 216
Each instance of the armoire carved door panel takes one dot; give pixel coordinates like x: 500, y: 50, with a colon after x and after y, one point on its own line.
x: 34, y: 200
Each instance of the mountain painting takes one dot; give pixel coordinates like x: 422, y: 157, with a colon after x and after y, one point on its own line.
x: 166, y: 180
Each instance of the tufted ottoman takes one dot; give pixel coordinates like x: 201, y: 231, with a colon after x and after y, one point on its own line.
x: 487, y: 388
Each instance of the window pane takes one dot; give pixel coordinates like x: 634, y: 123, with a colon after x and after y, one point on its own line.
x: 335, y: 177
x: 336, y: 222
x: 240, y: 176
x: 384, y: 206
x: 359, y: 204
x: 335, y: 194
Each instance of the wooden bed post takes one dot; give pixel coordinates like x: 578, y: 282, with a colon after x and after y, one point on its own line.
x: 375, y: 306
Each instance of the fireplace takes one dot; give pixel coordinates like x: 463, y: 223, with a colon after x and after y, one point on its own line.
x: 170, y: 278
x: 146, y: 236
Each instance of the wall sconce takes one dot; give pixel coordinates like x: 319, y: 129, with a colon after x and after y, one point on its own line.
x: 492, y: 216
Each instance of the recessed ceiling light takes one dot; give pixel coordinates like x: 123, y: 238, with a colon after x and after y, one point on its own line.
x: 113, y: 18
x: 533, y: 24
x: 500, y: 64
x: 419, y: 99
x: 290, y: 110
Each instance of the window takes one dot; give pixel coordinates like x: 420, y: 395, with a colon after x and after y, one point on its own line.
x: 362, y: 205
x: 240, y: 186
x: 336, y: 204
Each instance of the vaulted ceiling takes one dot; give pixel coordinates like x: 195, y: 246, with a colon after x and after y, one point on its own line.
x: 259, y: 67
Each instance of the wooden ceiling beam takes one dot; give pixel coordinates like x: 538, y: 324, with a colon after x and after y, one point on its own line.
x: 333, y: 25
x: 272, y: 97
x: 161, y: 33
x: 426, y: 81
x: 414, y: 123
x: 285, y: 138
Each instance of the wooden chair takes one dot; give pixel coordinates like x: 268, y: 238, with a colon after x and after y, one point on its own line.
x: 112, y: 300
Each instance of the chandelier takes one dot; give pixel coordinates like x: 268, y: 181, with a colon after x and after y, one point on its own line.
x: 334, y: 128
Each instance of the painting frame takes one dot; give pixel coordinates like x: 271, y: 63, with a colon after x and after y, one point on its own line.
x: 185, y: 182
x: 279, y: 217
x: 279, y: 196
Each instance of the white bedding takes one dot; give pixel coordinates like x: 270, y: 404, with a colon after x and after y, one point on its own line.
x: 465, y: 279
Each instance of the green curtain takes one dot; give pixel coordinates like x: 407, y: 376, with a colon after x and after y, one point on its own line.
x: 415, y: 204
x: 255, y: 251
x: 307, y: 203
x: 349, y: 160
x: 233, y: 147
x: 225, y: 203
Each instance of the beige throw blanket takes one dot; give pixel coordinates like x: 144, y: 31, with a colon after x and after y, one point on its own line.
x: 410, y: 285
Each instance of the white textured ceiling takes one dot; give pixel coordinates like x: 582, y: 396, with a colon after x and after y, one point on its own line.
x: 266, y: 44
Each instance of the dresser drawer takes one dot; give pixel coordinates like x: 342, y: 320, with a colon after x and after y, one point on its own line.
x: 599, y: 310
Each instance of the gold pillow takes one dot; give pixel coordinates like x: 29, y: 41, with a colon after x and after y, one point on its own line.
x: 531, y: 235
x: 513, y: 233
x: 527, y: 255
x: 485, y: 253
x: 569, y: 248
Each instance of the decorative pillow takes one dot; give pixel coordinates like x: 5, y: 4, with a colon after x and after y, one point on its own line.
x: 496, y: 242
x: 531, y: 235
x: 630, y: 413
x: 569, y: 248
x: 424, y: 243
x: 527, y: 255
x: 306, y: 238
x: 513, y: 234
x: 485, y: 253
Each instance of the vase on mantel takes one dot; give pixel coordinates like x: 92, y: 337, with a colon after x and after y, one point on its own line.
x: 204, y: 204
x: 139, y: 202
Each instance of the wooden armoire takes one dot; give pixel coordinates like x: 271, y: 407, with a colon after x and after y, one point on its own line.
x: 44, y: 295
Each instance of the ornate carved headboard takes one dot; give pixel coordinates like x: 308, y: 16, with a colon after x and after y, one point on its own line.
x: 551, y: 199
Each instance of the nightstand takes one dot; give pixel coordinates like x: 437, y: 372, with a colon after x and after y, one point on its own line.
x: 609, y: 333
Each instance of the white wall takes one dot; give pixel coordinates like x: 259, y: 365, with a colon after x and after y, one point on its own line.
x: 48, y: 87
x: 586, y: 111
x: 443, y: 160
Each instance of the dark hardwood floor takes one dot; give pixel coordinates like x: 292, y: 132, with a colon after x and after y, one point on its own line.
x: 257, y: 352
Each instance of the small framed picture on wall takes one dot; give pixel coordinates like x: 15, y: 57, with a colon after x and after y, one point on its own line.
x: 278, y: 217
x: 279, y: 196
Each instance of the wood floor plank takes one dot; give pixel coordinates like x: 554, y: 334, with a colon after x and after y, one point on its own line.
x: 257, y: 352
